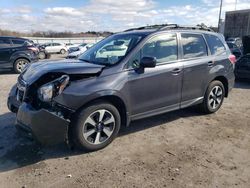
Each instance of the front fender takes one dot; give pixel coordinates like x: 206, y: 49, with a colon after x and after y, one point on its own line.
x: 75, y: 102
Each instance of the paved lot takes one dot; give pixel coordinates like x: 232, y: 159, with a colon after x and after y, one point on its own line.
x: 178, y: 149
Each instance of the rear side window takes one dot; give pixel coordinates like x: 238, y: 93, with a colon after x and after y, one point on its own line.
x: 17, y: 42
x: 163, y: 47
x: 4, y: 43
x: 56, y: 44
x: 193, y: 45
x: 215, y: 44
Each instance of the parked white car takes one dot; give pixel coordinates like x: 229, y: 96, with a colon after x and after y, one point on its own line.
x: 80, y: 50
x: 70, y: 45
x: 56, y: 47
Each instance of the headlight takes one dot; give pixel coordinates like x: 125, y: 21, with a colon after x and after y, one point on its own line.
x: 50, y: 90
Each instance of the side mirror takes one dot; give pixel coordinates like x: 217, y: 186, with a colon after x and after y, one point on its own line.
x: 148, y: 62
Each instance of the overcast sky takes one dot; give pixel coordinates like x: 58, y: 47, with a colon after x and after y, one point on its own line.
x: 112, y: 15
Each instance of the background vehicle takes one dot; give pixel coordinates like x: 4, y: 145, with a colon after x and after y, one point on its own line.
x: 235, y: 49
x: 77, y: 51
x: 42, y: 54
x: 76, y: 48
x: 242, y: 67
x: 15, y: 53
x: 235, y: 40
x: 146, y: 71
x: 69, y: 45
x: 56, y: 48
x: 118, y: 48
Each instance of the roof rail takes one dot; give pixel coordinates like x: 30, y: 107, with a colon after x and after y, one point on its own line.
x: 172, y: 26
x: 197, y: 27
x: 149, y: 27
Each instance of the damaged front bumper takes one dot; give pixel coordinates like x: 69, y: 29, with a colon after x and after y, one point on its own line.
x: 44, y: 126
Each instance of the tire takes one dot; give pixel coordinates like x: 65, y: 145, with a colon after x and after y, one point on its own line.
x: 42, y: 55
x: 62, y: 51
x: 19, y: 65
x: 92, y: 132
x: 213, y: 98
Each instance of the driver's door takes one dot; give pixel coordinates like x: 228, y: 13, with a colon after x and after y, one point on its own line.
x: 157, y: 89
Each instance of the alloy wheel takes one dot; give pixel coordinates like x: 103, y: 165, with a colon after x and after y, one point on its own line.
x: 98, y: 127
x: 20, y: 65
x: 215, y: 97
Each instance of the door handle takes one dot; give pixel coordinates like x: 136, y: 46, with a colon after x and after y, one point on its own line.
x: 210, y: 63
x: 176, y: 71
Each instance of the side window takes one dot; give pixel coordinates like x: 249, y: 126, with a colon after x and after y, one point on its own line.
x: 215, y: 44
x: 193, y: 45
x: 17, y: 42
x: 163, y: 47
x: 56, y: 44
x: 4, y: 43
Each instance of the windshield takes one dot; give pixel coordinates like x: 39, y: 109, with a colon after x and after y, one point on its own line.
x: 112, y: 49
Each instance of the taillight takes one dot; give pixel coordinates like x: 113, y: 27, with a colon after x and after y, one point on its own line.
x: 34, y: 49
x: 232, y: 59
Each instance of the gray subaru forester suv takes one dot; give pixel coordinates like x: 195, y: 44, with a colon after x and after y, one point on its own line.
x: 130, y: 75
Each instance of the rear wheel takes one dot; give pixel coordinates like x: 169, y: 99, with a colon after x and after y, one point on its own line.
x: 214, y: 97
x: 96, y: 126
x: 19, y: 65
x: 42, y: 55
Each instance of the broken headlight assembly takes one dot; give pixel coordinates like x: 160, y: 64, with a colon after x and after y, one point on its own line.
x: 52, y: 89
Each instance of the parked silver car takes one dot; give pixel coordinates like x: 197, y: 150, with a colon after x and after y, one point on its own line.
x: 56, y: 47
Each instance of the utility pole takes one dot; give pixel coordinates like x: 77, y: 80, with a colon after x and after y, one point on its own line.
x: 219, y: 22
x: 236, y: 1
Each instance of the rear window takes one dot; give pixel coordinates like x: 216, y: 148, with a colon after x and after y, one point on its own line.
x: 215, y: 44
x: 4, y: 43
x: 193, y: 45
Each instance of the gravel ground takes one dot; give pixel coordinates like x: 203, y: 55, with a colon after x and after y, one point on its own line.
x: 177, y: 149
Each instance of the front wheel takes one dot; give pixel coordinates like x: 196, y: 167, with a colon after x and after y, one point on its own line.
x: 214, y: 97
x: 96, y: 126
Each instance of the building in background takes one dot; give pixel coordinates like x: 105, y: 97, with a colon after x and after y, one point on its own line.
x: 237, y: 23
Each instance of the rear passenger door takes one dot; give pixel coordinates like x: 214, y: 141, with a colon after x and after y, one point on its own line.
x: 5, y: 52
x: 196, y: 67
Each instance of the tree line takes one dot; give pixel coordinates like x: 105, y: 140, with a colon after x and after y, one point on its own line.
x: 54, y: 34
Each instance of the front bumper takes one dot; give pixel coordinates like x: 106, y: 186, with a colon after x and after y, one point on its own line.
x: 44, y: 126
x: 12, y: 102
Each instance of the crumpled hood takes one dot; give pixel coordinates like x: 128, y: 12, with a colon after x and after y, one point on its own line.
x: 35, y: 70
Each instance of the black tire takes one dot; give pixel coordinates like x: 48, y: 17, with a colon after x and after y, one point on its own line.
x: 80, y: 123
x: 42, y: 55
x: 62, y: 51
x: 19, y: 65
x: 210, y: 102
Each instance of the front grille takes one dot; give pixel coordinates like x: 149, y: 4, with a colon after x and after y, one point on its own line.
x: 21, y: 88
x: 20, y: 95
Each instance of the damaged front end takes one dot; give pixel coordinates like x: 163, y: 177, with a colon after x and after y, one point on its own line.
x: 39, y: 116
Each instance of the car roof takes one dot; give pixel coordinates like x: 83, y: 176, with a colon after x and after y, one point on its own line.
x: 10, y: 37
